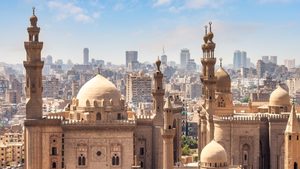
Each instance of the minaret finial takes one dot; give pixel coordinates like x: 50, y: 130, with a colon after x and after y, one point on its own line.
x: 33, y: 10
x: 205, y: 29
x: 163, y: 50
x: 221, y: 62
x: 158, y: 62
x: 210, y: 26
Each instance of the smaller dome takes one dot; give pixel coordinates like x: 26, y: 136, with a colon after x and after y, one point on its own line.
x: 223, y: 80
x: 213, y: 152
x: 279, y: 97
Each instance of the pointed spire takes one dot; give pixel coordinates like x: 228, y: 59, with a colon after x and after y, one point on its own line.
x: 221, y: 62
x: 292, y: 124
x: 163, y: 49
x: 168, y: 104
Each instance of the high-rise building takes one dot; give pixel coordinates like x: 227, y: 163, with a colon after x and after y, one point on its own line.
x: 184, y: 57
x: 164, y: 59
x: 138, y: 88
x: 289, y: 63
x: 265, y: 59
x: 49, y: 60
x: 131, y: 57
x: 237, y: 59
x: 273, y: 59
x: 86, y: 56
x: 243, y: 59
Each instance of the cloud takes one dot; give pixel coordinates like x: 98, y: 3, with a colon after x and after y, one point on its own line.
x: 162, y: 2
x: 71, y: 10
x: 118, y: 6
x: 276, y: 1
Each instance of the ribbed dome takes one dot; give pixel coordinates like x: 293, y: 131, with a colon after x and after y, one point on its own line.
x: 223, y: 80
x: 98, y: 88
x: 279, y: 97
x: 213, y: 152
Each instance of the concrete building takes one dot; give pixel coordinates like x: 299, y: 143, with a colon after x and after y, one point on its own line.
x: 184, y: 57
x: 86, y: 56
x: 273, y: 59
x: 138, y: 88
x: 265, y: 59
x: 240, y: 59
x: 289, y: 63
x: 131, y: 57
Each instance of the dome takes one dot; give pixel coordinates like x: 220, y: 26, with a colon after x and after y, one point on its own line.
x: 98, y: 88
x: 223, y: 80
x: 213, y: 152
x: 279, y: 97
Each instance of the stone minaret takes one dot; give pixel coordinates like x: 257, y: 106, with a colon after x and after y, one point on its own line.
x: 168, y: 133
x: 291, y: 140
x: 33, y: 121
x: 208, y: 78
x: 33, y: 66
x: 158, y: 93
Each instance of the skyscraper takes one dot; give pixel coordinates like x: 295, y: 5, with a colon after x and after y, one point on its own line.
x: 164, y: 58
x: 86, y: 56
x: 237, y: 59
x: 273, y: 59
x: 131, y: 57
x: 265, y: 59
x: 184, y: 57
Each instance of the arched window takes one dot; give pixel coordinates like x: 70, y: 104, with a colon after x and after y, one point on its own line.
x: 113, y: 160
x: 117, y: 160
x: 295, y: 165
x: 98, y: 116
x: 81, y: 160
x: 53, y: 164
x: 142, y: 164
x: 245, y: 157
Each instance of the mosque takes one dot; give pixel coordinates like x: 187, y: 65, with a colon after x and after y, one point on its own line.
x: 97, y: 131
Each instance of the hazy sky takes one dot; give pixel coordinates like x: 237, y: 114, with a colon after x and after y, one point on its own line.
x: 110, y: 27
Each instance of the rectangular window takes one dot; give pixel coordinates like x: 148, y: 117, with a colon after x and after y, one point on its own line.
x: 290, y: 137
x: 142, y: 151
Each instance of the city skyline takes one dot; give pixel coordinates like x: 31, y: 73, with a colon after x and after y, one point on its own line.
x: 109, y: 29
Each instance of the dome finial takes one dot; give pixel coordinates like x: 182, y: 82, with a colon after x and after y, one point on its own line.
x: 33, y: 10
x: 221, y: 62
x: 205, y: 29
x: 210, y: 26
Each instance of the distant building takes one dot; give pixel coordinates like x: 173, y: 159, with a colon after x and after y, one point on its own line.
x: 293, y: 85
x: 131, y: 56
x: 265, y: 59
x: 184, y: 57
x: 191, y: 65
x: 138, y: 88
x: 240, y: 59
x: 49, y: 60
x: 86, y: 56
x: 273, y: 59
x: 289, y: 63
x: 164, y: 59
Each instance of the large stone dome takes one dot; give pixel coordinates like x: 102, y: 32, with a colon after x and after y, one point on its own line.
x: 223, y: 83
x: 213, y: 153
x: 96, y: 89
x: 279, y: 97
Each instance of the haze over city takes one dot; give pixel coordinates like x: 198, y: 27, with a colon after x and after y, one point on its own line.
x: 109, y: 28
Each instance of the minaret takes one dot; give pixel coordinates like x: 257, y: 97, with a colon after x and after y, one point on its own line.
x: 158, y: 98
x: 168, y: 133
x: 291, y: 140
x: 33, y: 66
x: 158, y: 92
x: 33, y: 122
x: 208, y: 77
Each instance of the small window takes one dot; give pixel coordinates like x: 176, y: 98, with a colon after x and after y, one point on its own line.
x: 54, y: 151
x: 290, y: 137
x: 142, y: 151
x: 98, y: 116
x: 297, y: 137
x: 119, y: 116
x: 53, y: 164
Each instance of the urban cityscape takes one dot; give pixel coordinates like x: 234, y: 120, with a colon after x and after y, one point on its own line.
x: 180, y: 108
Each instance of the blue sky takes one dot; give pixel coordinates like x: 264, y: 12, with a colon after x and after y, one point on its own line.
x: 110, y: 27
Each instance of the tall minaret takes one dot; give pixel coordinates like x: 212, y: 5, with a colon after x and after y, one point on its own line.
x: 208, y: 77
x: 291, y: 141
x: 33, y: 66
x: 158, y: 92
x: 168, y: 133
x: 33, y: 122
